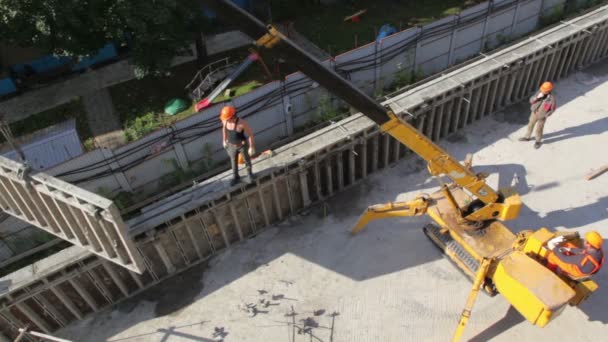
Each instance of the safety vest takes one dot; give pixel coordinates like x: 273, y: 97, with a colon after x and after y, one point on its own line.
x: 589, y: 258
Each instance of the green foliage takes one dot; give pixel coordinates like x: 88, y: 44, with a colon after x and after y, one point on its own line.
x: 124, y: 199
x: 502, y: 39
x: 402, y: 78
x: 177, y: 177
x: 158, y: 29
x: 89, y: 144
x: 326, y: 110
x: 556, y: 15
x: 141, y: 126
x: 104, y: 192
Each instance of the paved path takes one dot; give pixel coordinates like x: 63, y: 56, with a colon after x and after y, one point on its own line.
x: 103, y: 119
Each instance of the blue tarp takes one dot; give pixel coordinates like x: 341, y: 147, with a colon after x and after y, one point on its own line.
x: 106, y: 53
x: 385, y: 31
x: 7, y: 86
x: 41, y: 65
x: 244, y: 4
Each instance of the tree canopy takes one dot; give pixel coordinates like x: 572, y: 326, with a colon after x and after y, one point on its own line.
x: 155, y: 29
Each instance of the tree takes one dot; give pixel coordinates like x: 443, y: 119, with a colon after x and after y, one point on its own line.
x: 155, y: 29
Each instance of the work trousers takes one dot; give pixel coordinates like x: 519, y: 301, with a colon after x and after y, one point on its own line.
x: 233, y: 152
x: 540, y: 125
x: 556, y: 265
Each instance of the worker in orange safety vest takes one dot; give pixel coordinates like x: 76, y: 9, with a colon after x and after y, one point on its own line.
x: 573, y: 261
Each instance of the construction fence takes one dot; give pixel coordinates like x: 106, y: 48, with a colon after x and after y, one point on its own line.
x: 278, y: 109
x: 193, y: 226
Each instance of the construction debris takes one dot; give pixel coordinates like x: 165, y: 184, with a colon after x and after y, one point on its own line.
x: 595, y: 173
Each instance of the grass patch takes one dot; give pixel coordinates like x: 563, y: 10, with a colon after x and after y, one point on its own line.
x: 140, y: 103
x: 238, y: 90
x: 324, y: 25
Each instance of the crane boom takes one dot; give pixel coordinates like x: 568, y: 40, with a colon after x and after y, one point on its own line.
x: 490, y: 203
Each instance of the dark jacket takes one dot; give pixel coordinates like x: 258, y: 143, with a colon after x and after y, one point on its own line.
x: 544, y: 107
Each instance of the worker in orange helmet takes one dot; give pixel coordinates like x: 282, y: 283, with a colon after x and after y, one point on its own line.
x: 237, y: 137
x: 573, y: 261
x: 542, y: 105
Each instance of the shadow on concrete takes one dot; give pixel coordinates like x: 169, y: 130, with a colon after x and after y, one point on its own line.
x: 510, y: 175
x: 591, y: 128
x: 165, y: 333
x: 568, y: 218
x: 510, y: 319
x: 595, y: 306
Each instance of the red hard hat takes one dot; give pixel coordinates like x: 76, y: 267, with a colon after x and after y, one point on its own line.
x: 227, y: 113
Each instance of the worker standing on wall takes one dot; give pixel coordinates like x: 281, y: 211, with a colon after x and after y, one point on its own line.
x: 237, y: 137
x: 573, y: 261
x: 542, y: 106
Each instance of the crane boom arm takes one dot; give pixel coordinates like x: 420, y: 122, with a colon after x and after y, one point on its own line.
x: 439, y: 161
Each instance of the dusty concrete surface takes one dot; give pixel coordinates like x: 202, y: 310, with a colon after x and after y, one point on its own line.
x: 389, y: 283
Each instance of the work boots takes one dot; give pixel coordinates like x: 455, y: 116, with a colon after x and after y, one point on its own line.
x: 250, y: 176
x: 235, y: 180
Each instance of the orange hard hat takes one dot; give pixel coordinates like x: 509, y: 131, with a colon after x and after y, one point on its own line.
x: 227, y: 113
x: 546, y: 87
x: 594, y: 239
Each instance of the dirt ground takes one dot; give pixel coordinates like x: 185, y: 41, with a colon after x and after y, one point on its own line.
x: 309, y: 280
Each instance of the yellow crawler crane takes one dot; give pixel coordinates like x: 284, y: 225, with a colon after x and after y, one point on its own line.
x: 467, y: 212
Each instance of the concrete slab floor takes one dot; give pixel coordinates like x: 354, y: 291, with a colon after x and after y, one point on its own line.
x: 389, y: 283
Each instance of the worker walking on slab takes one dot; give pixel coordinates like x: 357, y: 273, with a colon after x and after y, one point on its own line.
x: 542, y: 106
x: 237, y: 137
x: 573, y: 261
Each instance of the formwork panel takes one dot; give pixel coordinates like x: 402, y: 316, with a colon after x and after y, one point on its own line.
x: 127, y: 279
x: 7, y: 328
x: 155, y: 263
x: 170, y: 246
x: 312, y: 180
x: 74, y: 297
x: 214, y: 231
x: 282, y: 205
x: 359, y: 161
x: 225, y: 221
x: 295, y: 192
x: 185, y: 242
x: 87, y: 284
x: 256, y: 210
x: 20, y: 317
x: 113, y: 291
x: 345, y: 157
x: 52, y: 309
x: 271, y: 206
x: 200, y: 236
x: 240, y: 216
x: 41, y: 314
